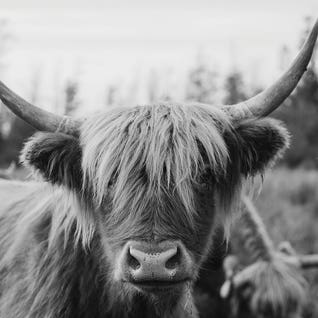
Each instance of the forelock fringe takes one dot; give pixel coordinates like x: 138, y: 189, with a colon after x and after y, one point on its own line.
x: 161, y: 146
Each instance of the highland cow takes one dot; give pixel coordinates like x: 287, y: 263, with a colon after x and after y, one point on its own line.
x: 126, y: 204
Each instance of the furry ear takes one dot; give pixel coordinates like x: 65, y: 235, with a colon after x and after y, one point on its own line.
x: 258, y: 144
x: 57, y: 157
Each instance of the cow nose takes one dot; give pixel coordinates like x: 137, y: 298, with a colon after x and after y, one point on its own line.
x: 151, y: 264
x: 166, y: 259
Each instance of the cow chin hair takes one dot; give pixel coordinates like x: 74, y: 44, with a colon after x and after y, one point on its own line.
x: 127, y: 299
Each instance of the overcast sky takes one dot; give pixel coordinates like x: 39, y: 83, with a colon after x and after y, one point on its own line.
x: 123, y: 42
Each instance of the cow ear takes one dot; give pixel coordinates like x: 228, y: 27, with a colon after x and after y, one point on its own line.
x: 57, y: 157
x: 259, y: 143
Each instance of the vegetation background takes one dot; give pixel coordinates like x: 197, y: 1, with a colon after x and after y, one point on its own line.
x: 289, y: 198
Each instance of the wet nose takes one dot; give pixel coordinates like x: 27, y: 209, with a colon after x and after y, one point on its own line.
x: 147, y: 263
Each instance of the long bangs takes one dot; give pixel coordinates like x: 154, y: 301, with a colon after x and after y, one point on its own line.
x: 161, y: 147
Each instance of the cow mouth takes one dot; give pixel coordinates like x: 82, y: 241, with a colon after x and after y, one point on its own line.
x: 157, y: 285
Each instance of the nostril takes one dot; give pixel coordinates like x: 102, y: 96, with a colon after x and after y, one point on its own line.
x: 154, y: 260
x: 132, y: 261
x: 174, y: 261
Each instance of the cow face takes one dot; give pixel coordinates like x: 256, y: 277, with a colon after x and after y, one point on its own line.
x: 157, y: 180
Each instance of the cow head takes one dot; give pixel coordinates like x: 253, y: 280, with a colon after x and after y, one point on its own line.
x: 155, y: 180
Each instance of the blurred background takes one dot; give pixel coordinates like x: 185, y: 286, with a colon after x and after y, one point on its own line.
x: 75, y: 57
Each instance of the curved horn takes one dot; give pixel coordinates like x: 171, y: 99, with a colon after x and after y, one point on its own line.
x: 38, y: 118
x: 271, y: 98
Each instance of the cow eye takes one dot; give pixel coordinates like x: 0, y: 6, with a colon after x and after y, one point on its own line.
x: 205, y: 181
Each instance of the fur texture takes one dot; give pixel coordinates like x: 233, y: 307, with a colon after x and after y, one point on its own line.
x: 152, y: 173
x: 269, y: 289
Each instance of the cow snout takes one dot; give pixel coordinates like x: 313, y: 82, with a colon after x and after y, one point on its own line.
x: 154, y: 264
x: 165, y: 264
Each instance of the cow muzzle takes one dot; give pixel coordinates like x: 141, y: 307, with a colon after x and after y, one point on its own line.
x: 151, y: 267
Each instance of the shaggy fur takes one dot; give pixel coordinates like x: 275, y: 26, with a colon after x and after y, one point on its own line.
x: 268, y: 289
x: 269, y: 286
x: 255, y: 238
x: 152, y: 173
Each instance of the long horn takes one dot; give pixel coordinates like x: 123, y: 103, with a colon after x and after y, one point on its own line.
x: 38, y: 118
x: 271, y: 98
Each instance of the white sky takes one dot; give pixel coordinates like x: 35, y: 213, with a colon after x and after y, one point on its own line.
x: 123, y: 41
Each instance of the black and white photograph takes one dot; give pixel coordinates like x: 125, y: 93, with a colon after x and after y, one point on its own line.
x: 158, y: 159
